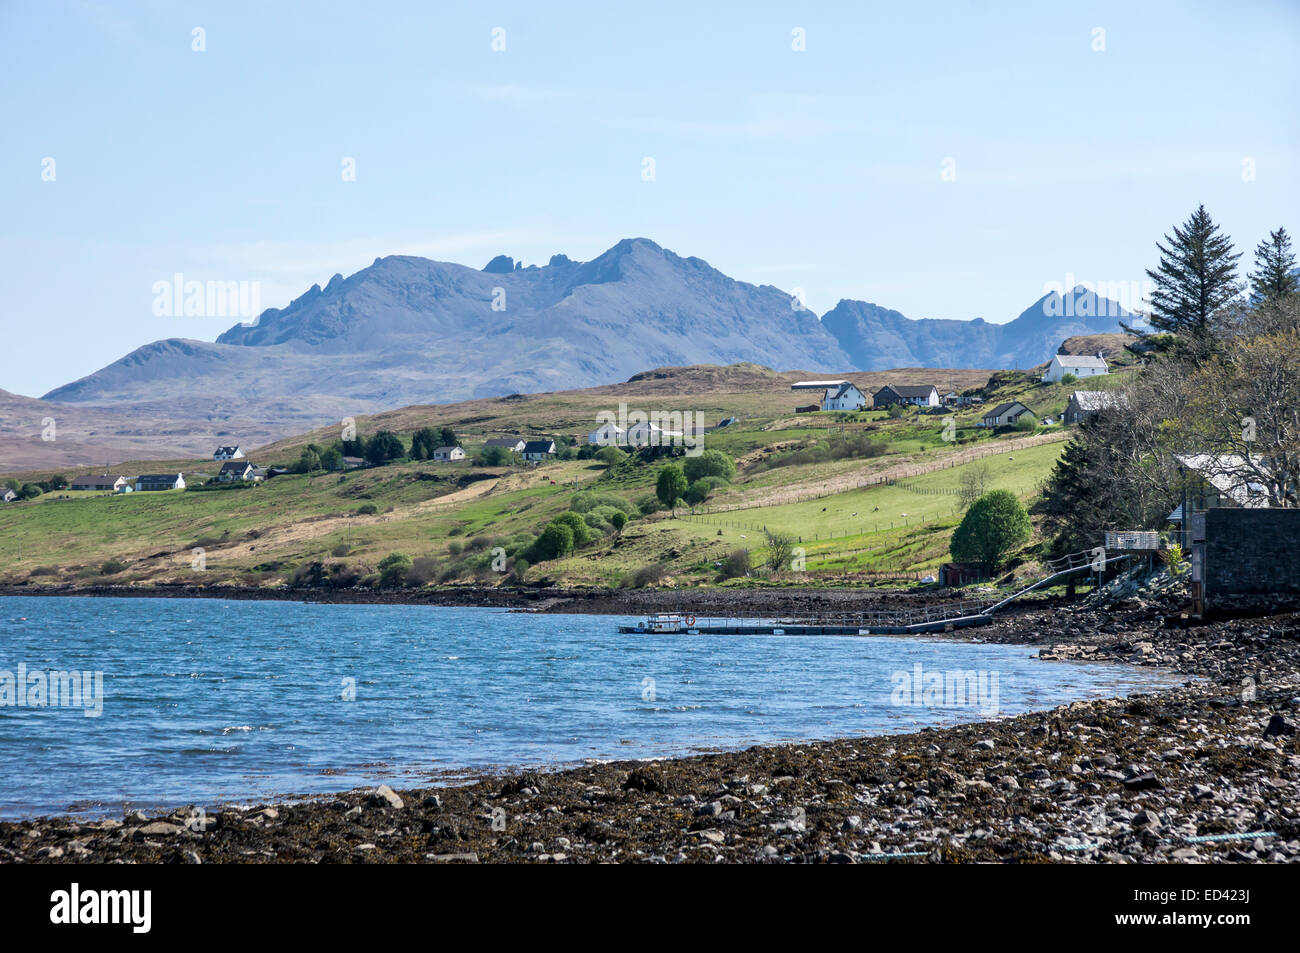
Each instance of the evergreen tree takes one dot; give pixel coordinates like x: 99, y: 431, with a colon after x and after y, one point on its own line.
x: 1197, y: 276
x: 1275, y: 274
x: 423, y: 442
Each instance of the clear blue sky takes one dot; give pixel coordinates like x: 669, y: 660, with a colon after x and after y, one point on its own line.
x: 818, y: 170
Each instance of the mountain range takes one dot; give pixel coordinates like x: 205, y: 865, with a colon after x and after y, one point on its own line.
x: 409, y: 330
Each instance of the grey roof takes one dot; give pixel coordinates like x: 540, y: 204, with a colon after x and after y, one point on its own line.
x: 236, y: 466
x: 1098, y: 400
x: 448, y: 449
x: 539, y: 446
x: 1082, y: 360
x: 105, y: 480
x: 507, y: 442
x: 157, y: 477
x: 1001, y: 409
x: 910, y: 390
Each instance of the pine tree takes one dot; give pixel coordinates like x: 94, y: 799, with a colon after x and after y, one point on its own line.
x: 1275, y: 274
x: 1196, y: 277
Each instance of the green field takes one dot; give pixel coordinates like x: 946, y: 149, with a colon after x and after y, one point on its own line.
x: 454, y: 515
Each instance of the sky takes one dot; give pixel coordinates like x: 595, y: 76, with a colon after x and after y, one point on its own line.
x: 943, y: 159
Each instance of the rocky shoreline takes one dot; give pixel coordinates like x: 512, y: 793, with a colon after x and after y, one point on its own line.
x: 703, y: 601
x: 1175, y: 776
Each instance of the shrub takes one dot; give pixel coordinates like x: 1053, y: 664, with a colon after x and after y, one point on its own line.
x: 612, y: 456
x: 368, y: 509
x: 780, y: 546
x: 519, y: 569
x: 1026, y: 423
x: 618, y: 519
x: 710, y: 463
x: 701, y: 489
x: 580, y: 530
x: 737, y: 564
x: 393, y: 569
x: 895, y: 411
x: 422, y: 571
x: 586, y: 501
x: 555, y: 541
x: 112, y: 567
x: 649, y: 504
x: 494, y: 457
x: 995, y: 525
x: 1069, y: 378
x: 454, y: 547
x: 671, y: 485
x: 650, y: 575
x: 342, y: 549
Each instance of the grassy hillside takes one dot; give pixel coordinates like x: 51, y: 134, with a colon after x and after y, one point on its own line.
x: 863, y: 493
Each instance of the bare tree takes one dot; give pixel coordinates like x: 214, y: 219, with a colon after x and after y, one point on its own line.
x: 780, y: 546
x: 973, y: 483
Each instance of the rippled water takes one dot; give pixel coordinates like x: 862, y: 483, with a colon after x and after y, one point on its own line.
x: 208, y: 701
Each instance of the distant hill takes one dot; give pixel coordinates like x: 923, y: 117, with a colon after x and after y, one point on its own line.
x: 82, y: 436
x: 876, y: 338
x: 410, y: 331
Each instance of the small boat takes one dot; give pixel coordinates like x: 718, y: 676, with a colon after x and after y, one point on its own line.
x: 660, y: 622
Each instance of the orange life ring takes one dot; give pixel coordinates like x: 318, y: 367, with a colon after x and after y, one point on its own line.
x: 690, y: 621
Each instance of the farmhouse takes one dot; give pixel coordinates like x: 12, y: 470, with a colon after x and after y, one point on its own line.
x: 447, y: 454
x: 836, y: 395
x: 234, y: 470
x: 160, y: 481
x: 228, y: 453
x: 608, y: 434
x: 919, y: 395
x: 537, y: 450
x: 1080, y: 365
x: 513, y: 444
x: 646, y: 434
x: 102, y: 484
x: 1006, y: 415
x: 1220, y: 480
x: 1088, y: 403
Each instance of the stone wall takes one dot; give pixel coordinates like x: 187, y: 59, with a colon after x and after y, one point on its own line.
x: 1248, y: 553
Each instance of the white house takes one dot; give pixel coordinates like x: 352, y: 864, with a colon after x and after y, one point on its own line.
x: 160, y: 481
x: 446, y: 454
x: 228, y: 453
x: 646, y: 434
x: 513, y: 444
x: 1080, y: 365
x: 608, y: 434
x: 8, y: 496
x: 537, y: 450
x: 1006, y: 415
x: 836, y: 395
x: 102, y: 484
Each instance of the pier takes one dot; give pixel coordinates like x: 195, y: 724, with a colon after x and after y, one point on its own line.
x: 946, y: 617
